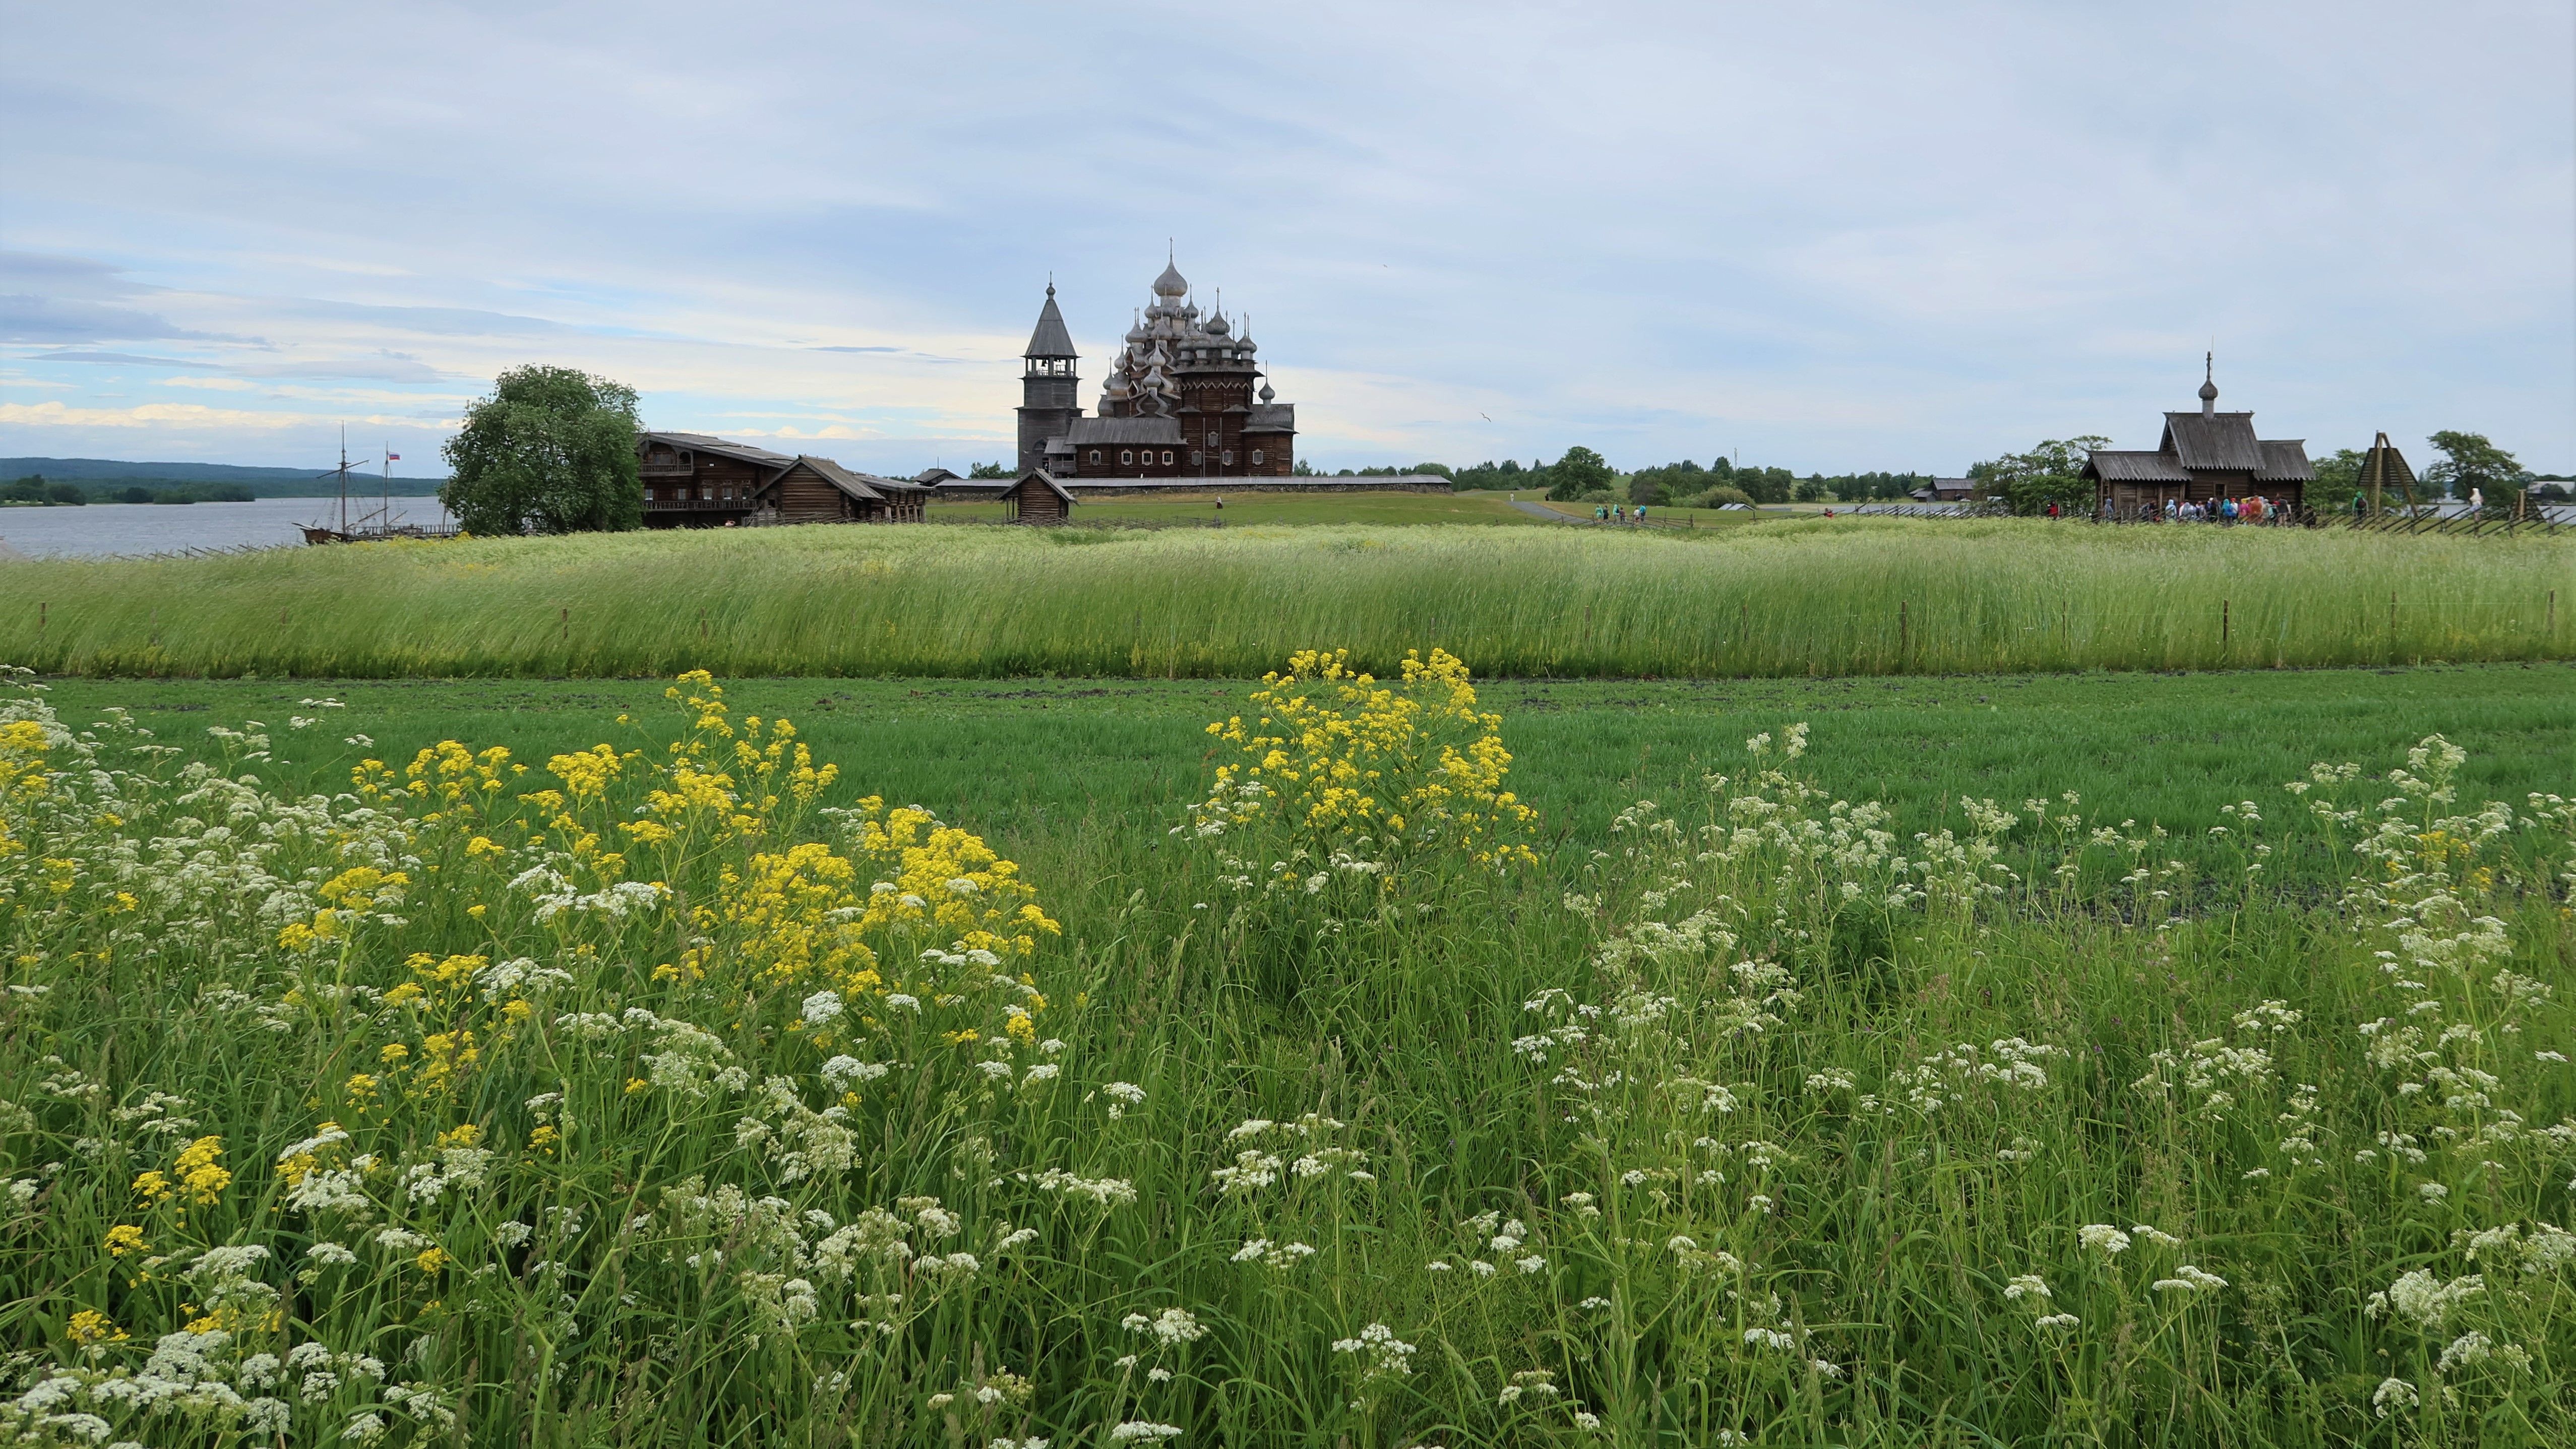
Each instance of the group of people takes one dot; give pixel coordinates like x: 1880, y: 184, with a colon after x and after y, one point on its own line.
x: 2253, y: 508
x: 1617, y: 513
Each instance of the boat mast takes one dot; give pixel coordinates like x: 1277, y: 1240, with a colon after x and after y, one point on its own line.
x: 344, y: 478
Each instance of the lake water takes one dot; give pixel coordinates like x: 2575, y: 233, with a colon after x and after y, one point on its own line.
x: 137, y: 528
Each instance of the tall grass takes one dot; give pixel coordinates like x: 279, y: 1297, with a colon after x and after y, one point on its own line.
x: 1757, y: 1118
x: 1827, y: 597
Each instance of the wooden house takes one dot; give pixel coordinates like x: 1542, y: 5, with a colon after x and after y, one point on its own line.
x: 1038, y: 498
x: 2203, y: 457
x: 695, y: 481
x: 692, y: 480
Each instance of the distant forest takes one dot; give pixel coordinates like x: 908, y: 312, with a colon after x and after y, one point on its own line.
x: 109, y: 480
x: 1582, y: 474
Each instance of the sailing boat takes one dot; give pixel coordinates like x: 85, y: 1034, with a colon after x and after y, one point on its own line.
x: 376, y: 525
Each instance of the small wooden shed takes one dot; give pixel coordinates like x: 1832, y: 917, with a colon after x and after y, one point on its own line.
x: 1038, y: 498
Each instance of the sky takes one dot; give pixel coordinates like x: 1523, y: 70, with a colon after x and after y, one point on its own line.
x: 1829, y: 236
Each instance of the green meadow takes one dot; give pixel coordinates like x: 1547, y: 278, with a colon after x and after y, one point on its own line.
x: 1758, y: 1089
x: 1246, y: 509
x: 1805, y: 597
x: 2000, y: 983
x: 1052, y: 766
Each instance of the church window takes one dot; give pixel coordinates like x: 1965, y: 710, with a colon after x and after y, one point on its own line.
x: 1196, y: 457
x: 1167, y: 457
x: 648, y: 495
x: 1256, y: 457
x: 1126, y: 456
x: 1095, y: 455
x: 1229, y: 457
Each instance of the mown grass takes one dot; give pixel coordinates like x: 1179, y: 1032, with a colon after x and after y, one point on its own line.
x: 1052, y: 767
x: 1764, y: 1125
x: 1789, y: 598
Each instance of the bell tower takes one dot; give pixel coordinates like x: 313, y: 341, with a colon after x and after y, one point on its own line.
x: 1047, y: 386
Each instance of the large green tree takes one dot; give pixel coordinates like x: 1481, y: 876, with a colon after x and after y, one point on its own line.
x: 552, y: 450
x: 1580, y: 471
x: 2052, y: 472
x: 2470, y: 461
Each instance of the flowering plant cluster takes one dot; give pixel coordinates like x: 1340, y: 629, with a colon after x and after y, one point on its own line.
x: 1341, y: 771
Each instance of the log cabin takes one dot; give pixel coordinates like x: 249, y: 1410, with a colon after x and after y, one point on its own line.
x: 693, y: 480
x: 1038, y: 498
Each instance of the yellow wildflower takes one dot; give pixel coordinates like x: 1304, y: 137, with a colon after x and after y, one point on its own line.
x: 198, y: 1171
x: 91, y: 1326
x: 125, y: 1238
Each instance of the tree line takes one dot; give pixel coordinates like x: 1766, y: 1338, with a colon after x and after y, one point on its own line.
x: 1583, y: 475
x: 57, y: 492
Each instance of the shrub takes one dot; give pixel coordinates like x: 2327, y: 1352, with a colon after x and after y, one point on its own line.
x: 1718, y: 497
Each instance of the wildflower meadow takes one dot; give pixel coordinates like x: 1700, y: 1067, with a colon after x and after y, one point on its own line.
x: 682, y: 1090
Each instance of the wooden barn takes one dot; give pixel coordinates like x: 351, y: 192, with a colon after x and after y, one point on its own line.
x: 1038, y: 498
x: 692, y: 480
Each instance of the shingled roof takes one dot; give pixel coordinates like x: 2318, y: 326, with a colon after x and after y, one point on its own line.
x: 2285, y: 460
x: 2213, y: 440
x: 1050, y: 339
x: 2137, y: 467
x: 1154, y: 432
x: 723, y: 448
x: 854, y: 484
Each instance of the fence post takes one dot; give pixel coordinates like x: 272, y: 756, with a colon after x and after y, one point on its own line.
x: 2392, y: 626
x: 567, y: 626
x: 1904, y: 635
x: 2222, y: 624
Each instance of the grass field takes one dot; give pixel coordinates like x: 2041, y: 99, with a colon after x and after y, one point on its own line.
x: 1243, y: 509
x: 1050, y: 767
x: 1786, y: 598
x: 612, y: 1103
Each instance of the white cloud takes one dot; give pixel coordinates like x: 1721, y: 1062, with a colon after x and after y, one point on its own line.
x: 1838, y: 235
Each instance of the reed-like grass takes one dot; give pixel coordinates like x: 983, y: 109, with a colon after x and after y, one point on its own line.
x: 1827, y: 597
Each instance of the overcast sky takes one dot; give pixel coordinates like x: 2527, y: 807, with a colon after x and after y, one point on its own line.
x: 1827, y: 236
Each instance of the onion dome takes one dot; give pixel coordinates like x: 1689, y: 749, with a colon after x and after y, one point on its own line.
x: 1266, y: 393
x: 1171, y: 283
